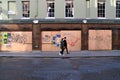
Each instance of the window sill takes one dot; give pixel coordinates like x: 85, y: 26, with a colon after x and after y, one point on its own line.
x: 25, y: 18
x: 117, y: 18
x: 50, y: 18
x: 101, y: 17
x: 69, y: 17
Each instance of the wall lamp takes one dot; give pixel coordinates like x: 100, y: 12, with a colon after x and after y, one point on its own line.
x: 35, y: 21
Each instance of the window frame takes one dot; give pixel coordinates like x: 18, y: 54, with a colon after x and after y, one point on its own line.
x: 70, y: 13
x: 50, y: 9
x: 101, y: 9
x: 25, y: 9
x: 118, y: 10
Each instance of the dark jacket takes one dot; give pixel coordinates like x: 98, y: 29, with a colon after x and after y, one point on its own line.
x: 61, y: 44
x: 65, y: 43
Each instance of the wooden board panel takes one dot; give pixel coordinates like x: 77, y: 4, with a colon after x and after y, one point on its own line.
x: 55, y: 38
x: 16, y: 47
x: 17, y: 41
x: 46, y: 37
x: 47, y: 41
x: 100, y: 39
x: 46, y: 47
x: 73, y: 40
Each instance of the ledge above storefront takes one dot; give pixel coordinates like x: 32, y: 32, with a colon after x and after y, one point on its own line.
x: 102, y: 21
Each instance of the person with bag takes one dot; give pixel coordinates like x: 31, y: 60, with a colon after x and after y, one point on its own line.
x: 61, y: 47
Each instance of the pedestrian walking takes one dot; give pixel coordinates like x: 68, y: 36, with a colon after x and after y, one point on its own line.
x: 65, y: 44
x: 62, y: 47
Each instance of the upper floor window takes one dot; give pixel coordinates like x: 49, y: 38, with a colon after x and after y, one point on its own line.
x: 50, y: 8
x: 11, y: 9
x: 25, y: 8
x: 101, y: 8
x: 118, y: 8
x: 69, y: 8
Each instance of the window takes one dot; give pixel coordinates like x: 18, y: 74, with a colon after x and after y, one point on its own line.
x: 101, y: 8
x: 50, y: 8
x: 118, y: 8
x: 26, y: 8
x: 11, y: 9
x: 69, y: 12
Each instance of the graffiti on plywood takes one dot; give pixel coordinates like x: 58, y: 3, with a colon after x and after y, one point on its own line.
x: 73, y: 37
x: 8, y: 38
x: 19, y: 38
x: 100, y: 39
x: 51, y: 40
x: 16, y: 41
x: 56, y: 39
x: 46, y: 37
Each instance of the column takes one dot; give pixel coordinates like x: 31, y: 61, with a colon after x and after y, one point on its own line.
x: 42, y: 8
x: 79, y: 8
x: 84, y: 41
x: 110, y: 9
x: 5, y: 9
x: 93, y: 8
x: 33, y: 8
x: 36, y: 36
x: 59, y: 8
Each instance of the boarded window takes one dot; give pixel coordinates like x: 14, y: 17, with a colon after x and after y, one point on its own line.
x: 11, y: 9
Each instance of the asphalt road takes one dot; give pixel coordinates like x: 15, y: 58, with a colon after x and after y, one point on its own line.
x: 28, y: 68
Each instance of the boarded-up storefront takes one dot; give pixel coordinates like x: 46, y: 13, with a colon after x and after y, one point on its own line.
x: 51, y: 40
x: 45, y: 34
x: 100, y: 40
x: 15, y: 41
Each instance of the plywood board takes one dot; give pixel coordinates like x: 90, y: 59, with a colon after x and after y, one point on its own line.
x: 46, y: 47
x: 100, y: 39
x: 46, y: 37
x: 16, y: 47
x: 17, y: 41
x: 47, y: 40
x: 73, y: 39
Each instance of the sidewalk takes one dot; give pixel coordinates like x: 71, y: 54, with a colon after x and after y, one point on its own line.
x: 55, y: 54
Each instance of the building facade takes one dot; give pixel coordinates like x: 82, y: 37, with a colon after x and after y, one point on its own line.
x: 28, y: 25
x: 19, y: 9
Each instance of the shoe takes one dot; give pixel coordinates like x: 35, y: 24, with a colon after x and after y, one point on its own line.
x: 60, y: 53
